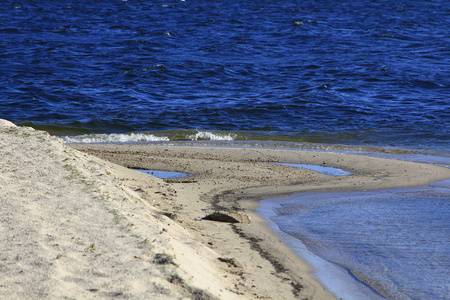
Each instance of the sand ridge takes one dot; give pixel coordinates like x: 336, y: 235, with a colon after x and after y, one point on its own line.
x: 70, y: 229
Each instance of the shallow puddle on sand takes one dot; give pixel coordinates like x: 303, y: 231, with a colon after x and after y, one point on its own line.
x: 163, y: 174
x: 321, y: 169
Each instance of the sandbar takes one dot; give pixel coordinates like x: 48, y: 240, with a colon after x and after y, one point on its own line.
x: 78, y: 222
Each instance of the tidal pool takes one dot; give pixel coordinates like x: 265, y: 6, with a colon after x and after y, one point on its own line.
x: 164, y: 174
x: 321, y: 169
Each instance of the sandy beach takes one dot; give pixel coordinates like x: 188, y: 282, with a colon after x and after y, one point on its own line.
x: 77, y: 222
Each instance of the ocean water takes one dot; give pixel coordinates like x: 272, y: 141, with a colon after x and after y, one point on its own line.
x: 357, y: 73
x: 348, y: 72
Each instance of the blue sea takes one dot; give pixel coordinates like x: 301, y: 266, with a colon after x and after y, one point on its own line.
x: 365, y: 74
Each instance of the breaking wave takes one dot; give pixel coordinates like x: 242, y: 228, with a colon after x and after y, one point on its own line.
x: 147, y: 137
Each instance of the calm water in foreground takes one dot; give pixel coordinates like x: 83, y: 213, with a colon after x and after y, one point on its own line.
x: 395, y: 242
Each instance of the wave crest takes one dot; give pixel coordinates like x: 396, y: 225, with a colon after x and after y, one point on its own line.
x: 113, y: 138
x: 210, y: 136
x: 147, y: 137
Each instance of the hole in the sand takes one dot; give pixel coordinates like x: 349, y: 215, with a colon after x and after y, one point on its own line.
x: 321, y: 169
x: 164, y: 174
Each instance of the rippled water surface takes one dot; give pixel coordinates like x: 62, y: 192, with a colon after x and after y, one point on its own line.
x: 352, y: 72
x: 395, y: 241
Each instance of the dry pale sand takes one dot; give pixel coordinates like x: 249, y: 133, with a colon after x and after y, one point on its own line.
x: 82, y: 225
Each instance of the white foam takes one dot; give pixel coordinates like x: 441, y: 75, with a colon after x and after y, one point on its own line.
x: 142, y: 137
x: 206, y: 135
x: 113, y: 138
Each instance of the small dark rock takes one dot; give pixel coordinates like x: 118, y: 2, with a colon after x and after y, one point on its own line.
x: 229, y: 217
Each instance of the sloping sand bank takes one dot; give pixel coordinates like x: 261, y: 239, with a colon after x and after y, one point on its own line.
x: 79, y: 226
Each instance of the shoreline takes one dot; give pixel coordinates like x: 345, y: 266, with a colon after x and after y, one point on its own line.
x: 370, y: 173
x: 96, y: 228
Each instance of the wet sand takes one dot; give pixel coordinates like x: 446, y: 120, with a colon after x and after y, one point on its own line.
x: 77, y: 222
x: 234, y: 179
